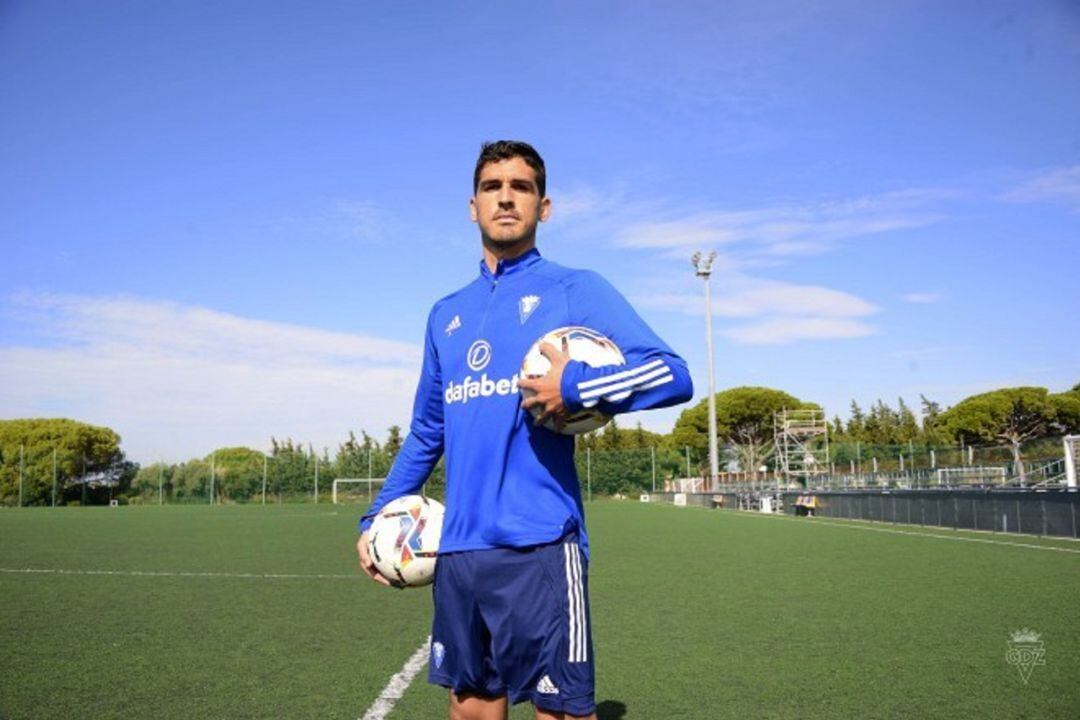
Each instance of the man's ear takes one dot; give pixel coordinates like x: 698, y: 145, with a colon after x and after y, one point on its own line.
x: 545, y: 209
x: 472, y: 209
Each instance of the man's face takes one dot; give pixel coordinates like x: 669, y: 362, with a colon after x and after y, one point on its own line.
x: 507, y: 205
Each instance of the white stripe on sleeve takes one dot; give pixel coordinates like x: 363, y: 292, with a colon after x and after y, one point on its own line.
x: 586, y: 384
x: 630, y: 383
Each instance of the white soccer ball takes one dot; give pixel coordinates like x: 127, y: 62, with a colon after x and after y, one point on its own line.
x: 585, y: 345
x: 404, y: 538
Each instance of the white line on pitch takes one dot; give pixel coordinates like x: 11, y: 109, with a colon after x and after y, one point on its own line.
x: 820, y: 521
x: 152, y: 573
x: 398, y: 684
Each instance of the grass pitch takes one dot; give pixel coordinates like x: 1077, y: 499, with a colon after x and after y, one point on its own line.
x: 258, y: 612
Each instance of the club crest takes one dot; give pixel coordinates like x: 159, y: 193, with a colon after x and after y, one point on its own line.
x: 526, y: 305
x: 1025, y: 652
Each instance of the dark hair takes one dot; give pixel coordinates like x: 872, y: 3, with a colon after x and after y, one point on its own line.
x: 505, y: 150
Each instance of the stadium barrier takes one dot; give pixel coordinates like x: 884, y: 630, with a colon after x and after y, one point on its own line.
x: 1053, y: 513
x: 1031, y: 512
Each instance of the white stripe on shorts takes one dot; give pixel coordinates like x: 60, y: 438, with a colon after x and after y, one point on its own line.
x: 575, y: 597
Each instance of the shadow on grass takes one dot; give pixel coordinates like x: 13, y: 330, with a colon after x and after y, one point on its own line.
x: 610, y: 710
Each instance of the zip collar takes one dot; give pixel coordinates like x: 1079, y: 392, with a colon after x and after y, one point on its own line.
x: 511, y: 266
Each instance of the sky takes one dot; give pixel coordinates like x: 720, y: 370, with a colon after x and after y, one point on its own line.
x: 223, y: 222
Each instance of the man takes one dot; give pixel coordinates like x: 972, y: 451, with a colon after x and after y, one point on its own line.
x: 511, y: 587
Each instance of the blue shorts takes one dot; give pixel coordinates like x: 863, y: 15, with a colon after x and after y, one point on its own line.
x: 515, y: 622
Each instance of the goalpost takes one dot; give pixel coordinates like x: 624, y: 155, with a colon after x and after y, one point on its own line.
x: 972, y: 475
x: 354, y: 489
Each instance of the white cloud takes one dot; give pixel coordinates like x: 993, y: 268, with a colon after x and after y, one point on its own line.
x: 177, y: 381
x: 784, y: 330
x: 921, y: 298
x: 789, y: 230
x: 783, y: 312
x: 1062, y: 185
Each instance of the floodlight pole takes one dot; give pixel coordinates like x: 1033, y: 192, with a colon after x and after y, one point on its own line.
x: 703, y: 269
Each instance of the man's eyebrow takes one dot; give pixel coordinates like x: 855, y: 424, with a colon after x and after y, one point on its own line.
x: 524, y: 182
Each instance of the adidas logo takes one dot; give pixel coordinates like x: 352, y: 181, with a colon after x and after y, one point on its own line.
x: 454, y: 325
x: 546, y: 687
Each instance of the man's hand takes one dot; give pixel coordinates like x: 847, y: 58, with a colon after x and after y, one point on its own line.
x: 366, y: 563
x: 548, y: 388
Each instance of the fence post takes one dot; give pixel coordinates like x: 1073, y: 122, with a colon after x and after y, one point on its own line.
x: 160, y: 483
x: 316, y: 479
x: 933, y: 459
x: 652, y: 454
x: 213, y: 472
x: 266, y: 461
x: 20, y: 473
x: 54, y: 477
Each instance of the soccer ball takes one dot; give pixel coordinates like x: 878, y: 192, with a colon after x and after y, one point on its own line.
x: 404, y: 538
x: 585, y: 345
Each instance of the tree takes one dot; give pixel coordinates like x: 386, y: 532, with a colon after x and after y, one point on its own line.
x: 744, y: 422
x: 610, y: 437
x: 1066, y: 412
x: 1012, y: 415
x: 89, y: 464
x: 393, y: 442
x: 931, y: 421
x: 238, y: 472
x: 856, y: 426
x: 907, y: 427
x: 146, y: 482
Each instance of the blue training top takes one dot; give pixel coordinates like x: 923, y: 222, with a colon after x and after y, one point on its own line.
x: 509, y: 482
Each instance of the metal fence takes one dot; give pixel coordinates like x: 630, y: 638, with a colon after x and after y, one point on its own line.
x: 1033, y: 512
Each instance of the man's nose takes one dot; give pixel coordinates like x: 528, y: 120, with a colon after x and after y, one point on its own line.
x: 506, y: 198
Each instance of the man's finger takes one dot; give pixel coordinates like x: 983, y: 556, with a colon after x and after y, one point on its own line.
x: 366, y: 565
x: 551, y: 352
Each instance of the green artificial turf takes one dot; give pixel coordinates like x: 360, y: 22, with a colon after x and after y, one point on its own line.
x: 697, y: 614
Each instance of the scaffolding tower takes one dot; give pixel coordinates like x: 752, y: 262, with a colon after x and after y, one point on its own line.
x: 802, y: 443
